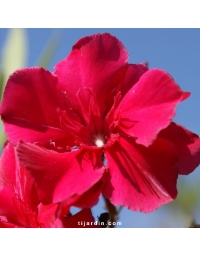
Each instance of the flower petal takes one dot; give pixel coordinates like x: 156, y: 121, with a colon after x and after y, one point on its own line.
x: 96, y: 63
x: 59, y: 176
x: 17, y: 189
x: 141, y: 178
x: 5, y: 224
x: 47, y: 215
x: 133, y: 74
x: 188, y: 145
x: 29, y: 107
x: 87, y: 200
x: 91, y: 197
x: 149, y: 106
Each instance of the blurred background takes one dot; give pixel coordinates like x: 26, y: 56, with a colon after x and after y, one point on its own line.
x: 176, y: 51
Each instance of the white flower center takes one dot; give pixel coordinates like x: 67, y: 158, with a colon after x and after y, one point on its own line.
x: 99, y: 143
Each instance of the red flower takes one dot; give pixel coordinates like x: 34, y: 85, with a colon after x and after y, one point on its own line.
x: 99, y: 118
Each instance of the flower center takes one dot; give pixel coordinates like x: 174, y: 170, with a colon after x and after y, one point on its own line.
x: 99, y: 142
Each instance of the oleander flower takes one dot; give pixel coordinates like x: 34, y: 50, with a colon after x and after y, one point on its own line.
x: 98, y: 118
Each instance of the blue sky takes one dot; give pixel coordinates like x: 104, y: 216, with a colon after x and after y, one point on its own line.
x: 176, y: 51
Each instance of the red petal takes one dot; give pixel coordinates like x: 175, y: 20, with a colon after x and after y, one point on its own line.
x: 149, y: 106
x: 141, y: 178
x: 17, y: 189
x: 97, y: 63
x: 59, y: 176
x: 87, y: 200
x: 91, y: 197
x: 47, y: 215
x: 6, y: 203
x: 7, y: 225
x: 29, y: 107
x: 187, y: 144
x: 133, y: 74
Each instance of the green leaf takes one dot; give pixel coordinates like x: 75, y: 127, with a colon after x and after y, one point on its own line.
x: 2, y: 136
x: 2, y: 79
x: 14, y: 53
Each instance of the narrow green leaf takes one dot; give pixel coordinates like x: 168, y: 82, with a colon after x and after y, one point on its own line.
x: 2, y: 79
x: 14, y: 54
x: 2, y: 136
